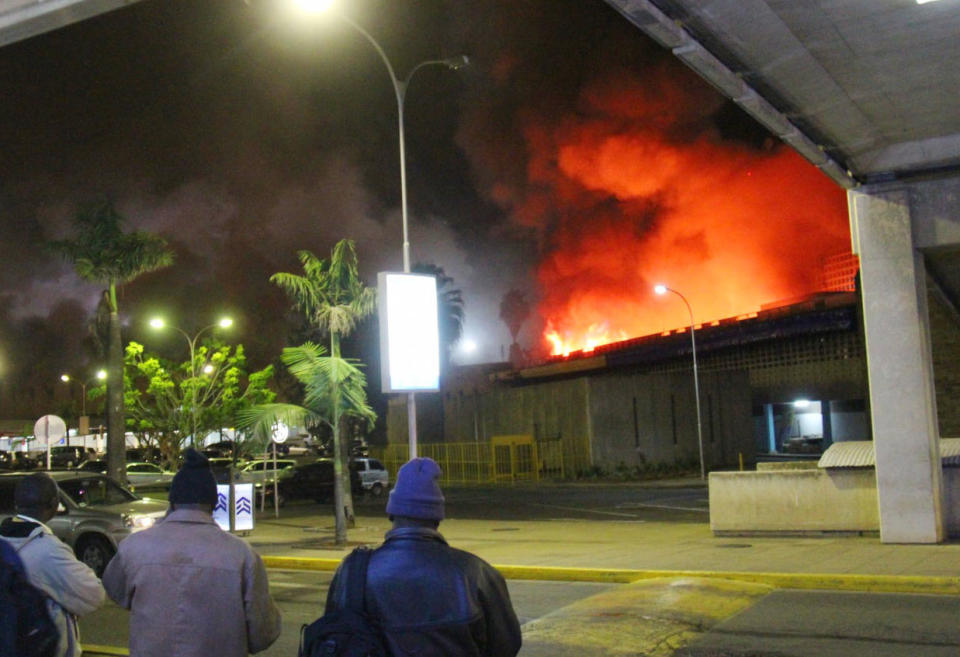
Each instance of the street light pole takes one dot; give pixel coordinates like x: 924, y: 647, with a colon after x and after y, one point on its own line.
x: 400, y: 90
x: 663, y: 289
x: 158, y: 323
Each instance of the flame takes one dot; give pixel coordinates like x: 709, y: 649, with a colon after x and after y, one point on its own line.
x: 586, y: 341
x: 730, y: 227
x: 635, y: 179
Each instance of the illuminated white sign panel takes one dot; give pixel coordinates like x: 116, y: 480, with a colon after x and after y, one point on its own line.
x: 409, y: 333
x: 242, y: 507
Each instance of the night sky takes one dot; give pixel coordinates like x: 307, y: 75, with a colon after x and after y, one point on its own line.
x: 242, y: 133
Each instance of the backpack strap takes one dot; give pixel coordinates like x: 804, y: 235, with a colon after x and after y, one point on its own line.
x: 356, y: 583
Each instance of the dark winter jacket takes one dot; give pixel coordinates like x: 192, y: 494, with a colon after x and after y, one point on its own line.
x: 432, y: 600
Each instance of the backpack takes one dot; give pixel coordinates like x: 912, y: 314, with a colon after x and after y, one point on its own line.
x: 347, y: 632
x: 26, y: 629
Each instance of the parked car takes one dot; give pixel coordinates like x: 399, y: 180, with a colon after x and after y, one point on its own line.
x: 374, y: 478
x: 67, y: 456
x: 139, y: 475
x: 96, y: 513
x: 263, y: 470
x: 307, y: 481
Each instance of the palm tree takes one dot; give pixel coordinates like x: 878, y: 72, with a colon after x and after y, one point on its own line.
x: 102, y: 253
x: 334, y: 389
x: 449, y: 308
x: 514, y: 310
x: 334, y: 300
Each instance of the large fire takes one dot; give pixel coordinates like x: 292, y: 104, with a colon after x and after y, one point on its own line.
x: 729, y: 226
x: 632, y: 181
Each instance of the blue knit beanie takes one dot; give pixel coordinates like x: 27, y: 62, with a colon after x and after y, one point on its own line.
x: 194, y: 483
x: 417, y: 493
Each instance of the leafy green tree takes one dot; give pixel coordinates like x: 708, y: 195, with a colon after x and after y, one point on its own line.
x: 334, y: 389
x: 334, y: 300
x: 101, y: 252
x: 450, y: 313
x: 160, y: 395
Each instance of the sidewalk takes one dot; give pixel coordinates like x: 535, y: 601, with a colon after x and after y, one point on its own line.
x: 618, y: 544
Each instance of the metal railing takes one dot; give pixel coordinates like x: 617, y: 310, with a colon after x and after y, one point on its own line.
x: 503, y: 460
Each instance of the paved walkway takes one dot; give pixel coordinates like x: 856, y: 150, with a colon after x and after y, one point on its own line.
x: 628, y: 545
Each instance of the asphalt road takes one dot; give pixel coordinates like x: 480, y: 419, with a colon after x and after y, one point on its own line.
x: 559, y: 502
x: 782, y: 624
x: 301, y: 596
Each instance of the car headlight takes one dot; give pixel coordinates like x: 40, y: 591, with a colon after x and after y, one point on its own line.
x: 136, y: 523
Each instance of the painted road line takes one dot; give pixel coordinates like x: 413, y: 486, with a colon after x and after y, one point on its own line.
x: 668, y: 507
x: 652, y: 618
x: 582, y: 510
x: 803, y: 581
x: 89, y: 650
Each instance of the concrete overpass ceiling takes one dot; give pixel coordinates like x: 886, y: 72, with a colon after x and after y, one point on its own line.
x: 22, y: 19
x: 871, y: 86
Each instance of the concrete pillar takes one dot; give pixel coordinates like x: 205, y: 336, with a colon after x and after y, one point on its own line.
x: 902, y: 397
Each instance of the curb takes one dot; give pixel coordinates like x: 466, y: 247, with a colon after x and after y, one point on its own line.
x: 804, y: 581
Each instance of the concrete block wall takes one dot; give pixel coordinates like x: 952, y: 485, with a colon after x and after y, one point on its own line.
x: 651, y: 418
x: 808, y: 500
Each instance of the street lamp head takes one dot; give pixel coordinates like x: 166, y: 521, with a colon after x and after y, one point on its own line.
x: 157, y: 322
x: 208, y: 368
x: 315, y: 6
x: 102, y: 374
x: 225, y: 322
x: 660, y: 288
x: 458, y: 62
x: 65, y: 378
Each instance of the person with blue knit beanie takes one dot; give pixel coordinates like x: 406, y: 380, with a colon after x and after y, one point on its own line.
x: 417, y: 493
x: 429, y: 599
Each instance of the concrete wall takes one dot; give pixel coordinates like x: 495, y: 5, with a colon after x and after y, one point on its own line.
x: 651, y: 418
x: 808, y: 500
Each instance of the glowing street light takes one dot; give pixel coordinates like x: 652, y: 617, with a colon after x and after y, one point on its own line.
x: 661, y: 289
x: 158, y: 323
x: 101, y: 375
x: 400, y: 90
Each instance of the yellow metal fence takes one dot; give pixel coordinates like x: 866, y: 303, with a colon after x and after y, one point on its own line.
x: 503, y: 460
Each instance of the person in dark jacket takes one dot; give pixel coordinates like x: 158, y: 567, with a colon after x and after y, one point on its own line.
x: 429, y: 599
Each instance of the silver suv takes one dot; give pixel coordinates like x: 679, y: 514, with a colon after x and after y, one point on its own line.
x: 374, y: 478
x: 96, y: 513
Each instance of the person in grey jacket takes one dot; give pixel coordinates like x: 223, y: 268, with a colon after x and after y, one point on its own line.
x: 429, y: 599
x: 193, y: 590
x: 71, y: 587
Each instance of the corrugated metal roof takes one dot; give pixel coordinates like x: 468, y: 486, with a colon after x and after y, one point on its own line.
x: 950, y: 451
x: 849, y: 454
x: 859, y: 454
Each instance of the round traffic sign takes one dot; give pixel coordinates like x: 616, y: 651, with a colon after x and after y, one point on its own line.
x: 49, y: 429
x: 280, y: 433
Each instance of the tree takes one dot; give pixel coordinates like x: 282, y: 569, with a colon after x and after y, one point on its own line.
x: 102, y: 253
x: 449, y: 309
x: 167, y: 400
x: 334, y: 300
x: 334, y: 389
x: 514, y: 310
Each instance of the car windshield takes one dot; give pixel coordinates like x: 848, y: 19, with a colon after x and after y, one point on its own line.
x: 97, y: 491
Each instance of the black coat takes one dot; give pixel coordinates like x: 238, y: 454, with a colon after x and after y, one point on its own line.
x: 432, y: 600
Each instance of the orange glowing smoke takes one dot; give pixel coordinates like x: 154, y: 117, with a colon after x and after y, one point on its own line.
x: 643, y: 201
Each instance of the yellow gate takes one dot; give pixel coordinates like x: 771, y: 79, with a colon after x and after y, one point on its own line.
x: 514, y: 458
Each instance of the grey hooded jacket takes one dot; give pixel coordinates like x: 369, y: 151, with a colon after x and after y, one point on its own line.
x: 71, y: 587
x: 193, y: 590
